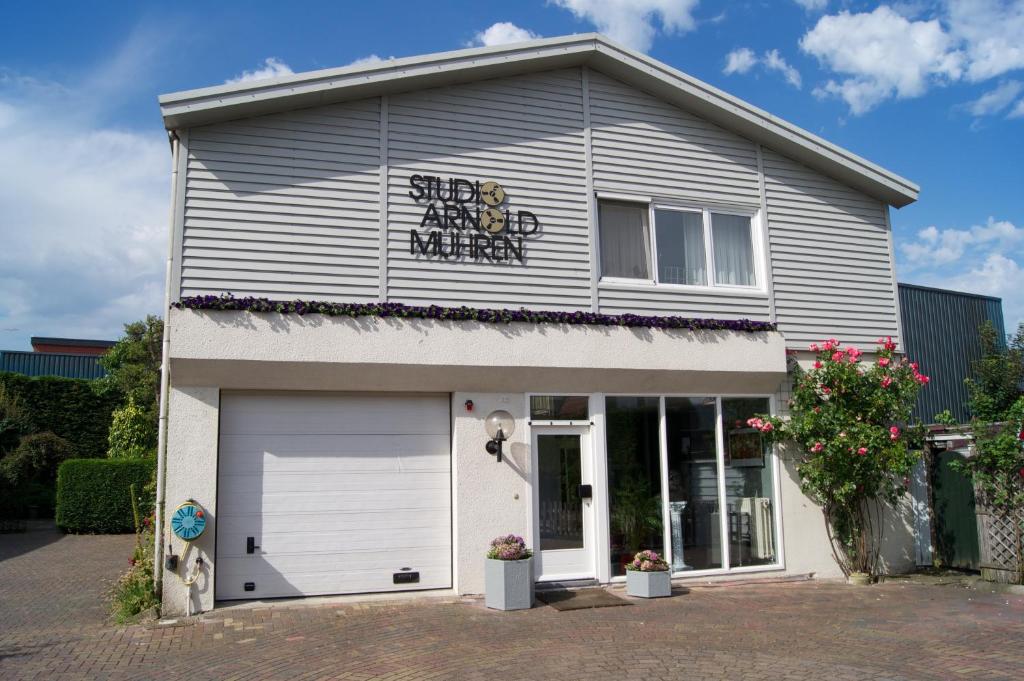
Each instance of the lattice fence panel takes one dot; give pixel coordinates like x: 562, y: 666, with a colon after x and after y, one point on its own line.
x: 1001, y: 536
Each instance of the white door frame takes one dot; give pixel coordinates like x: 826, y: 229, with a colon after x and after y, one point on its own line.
x: 591, y: 516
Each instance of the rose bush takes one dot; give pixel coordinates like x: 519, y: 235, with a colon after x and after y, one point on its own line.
x: 854, y: 448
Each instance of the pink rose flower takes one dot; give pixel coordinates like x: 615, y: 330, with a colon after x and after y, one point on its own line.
x: 894, y: 433
x: 827, y: 390
x: 817, y: 364
x: 862, y: 451
x: 767, y: 427
x: 883, y: 361
x: 818, y: 447
x: 837, y: 356
x: 813, y: 347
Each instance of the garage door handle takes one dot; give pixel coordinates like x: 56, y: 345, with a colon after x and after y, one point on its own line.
x: 250, y: 545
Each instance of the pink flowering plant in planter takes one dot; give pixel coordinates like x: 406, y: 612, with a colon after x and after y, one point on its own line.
x: 508, y: 547
x: 648, y: 561
x: 849, y: 426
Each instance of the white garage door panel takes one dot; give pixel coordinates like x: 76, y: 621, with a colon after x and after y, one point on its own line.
x: 288, y: 483
x: 306, y: 584
x: 317, y: 522
x: 305, y: 543
x: 339, y: 491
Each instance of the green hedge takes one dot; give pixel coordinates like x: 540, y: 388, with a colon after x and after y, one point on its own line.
x: 94, y: 497
x: 68, y: 407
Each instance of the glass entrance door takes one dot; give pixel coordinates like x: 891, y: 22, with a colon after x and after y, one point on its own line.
x: 563, y: 508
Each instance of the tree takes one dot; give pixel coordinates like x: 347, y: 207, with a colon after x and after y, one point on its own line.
x: 854, y: 449
x: 998, y: 376
x: 996, y: 402
x: 132, y: 433
x: 133, y: 365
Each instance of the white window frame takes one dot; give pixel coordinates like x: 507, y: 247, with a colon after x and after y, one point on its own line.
x: 756, y: 237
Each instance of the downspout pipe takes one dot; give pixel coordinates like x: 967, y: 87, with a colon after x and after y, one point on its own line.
x: 165, y: 379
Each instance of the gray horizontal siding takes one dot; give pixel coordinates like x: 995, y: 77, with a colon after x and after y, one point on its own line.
x: 285, y: 206
x: 525, y: 133
x: 644, y: 145
x: 830, y: 257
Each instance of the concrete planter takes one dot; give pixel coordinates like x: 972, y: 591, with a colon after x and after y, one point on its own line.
x: 648, y: 584
x: 508, y: 584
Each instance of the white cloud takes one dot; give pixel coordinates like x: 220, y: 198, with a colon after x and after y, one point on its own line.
x: 881, y: 54
x: 1017, y: 111
x: 739, y: 60
x: 84, y: 223
x: 632, y: 22
x: 937, y: 247
x: 992, y: 32
x: 743, y: 59
x: 368, y: 60
x: 272, y: 68
x: 812, y: 5
x: 994, y: 101
x: 773, y: 61
x: 891, y: 53
x: 503, y: 33
x: 986, y: 258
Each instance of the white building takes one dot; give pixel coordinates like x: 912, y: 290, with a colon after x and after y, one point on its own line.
x: 346, y: 453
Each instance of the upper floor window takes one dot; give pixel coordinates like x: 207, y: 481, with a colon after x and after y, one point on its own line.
x: 690, y: 246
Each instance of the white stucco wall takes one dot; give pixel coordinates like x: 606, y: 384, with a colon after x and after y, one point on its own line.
x: 490, y: 498
x: 242, y: 350
x: 192, y: 437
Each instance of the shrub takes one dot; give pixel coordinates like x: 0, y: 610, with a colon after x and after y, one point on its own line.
x: 36, y: 459
x: 647, y: 561
x: 133, y: 592
x: 508, y: 547
x: 94, y: 495
x: 132, y: 433
x: 855, y: 450
x: 68, y: 407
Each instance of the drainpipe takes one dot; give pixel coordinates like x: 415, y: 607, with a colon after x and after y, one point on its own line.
x: 165, y: 375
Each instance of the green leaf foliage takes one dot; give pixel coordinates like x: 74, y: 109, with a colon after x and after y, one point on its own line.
x: 132, y: 433
x: 67, y: 407
x: 94, y: 495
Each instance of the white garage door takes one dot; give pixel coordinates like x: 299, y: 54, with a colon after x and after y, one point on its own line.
x: 339, y: 493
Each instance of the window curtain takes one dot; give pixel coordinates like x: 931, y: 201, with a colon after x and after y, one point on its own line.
x: 734, y: 252
x: 624, y: 241
x: 681, y: 258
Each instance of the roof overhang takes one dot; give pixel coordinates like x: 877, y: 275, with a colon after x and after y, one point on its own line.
x: 243, y: 100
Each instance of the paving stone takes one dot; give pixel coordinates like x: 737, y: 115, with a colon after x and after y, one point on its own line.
x: 52, y: 627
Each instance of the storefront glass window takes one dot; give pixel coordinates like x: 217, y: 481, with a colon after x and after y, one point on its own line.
x: 694, y: 509
x: 749, y: 487
x: 634, y: 478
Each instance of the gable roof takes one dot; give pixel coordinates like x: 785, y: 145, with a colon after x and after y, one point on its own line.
x: 328, y: 86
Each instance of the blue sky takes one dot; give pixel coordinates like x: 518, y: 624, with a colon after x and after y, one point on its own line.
x: 931, y: 90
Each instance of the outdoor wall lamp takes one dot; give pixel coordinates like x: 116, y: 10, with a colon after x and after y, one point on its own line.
x: 499, y: 425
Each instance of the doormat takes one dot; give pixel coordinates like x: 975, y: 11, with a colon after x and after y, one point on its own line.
x: 580, y: 600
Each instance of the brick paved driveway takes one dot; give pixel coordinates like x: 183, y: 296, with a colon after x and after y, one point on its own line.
x: 810, y: 630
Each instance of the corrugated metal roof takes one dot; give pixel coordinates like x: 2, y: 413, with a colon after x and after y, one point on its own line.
x: 51, y: 364
x: 940, y: 331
